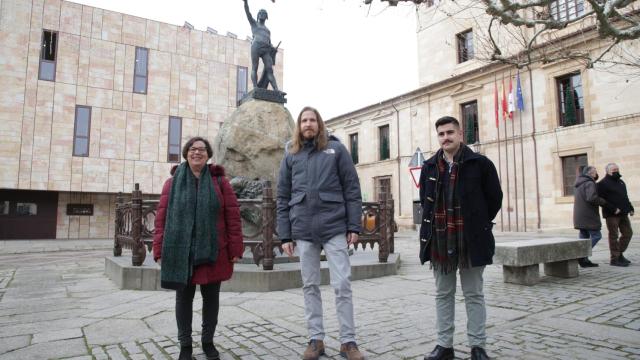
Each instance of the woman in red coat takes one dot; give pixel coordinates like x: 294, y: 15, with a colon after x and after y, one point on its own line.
x: 198, y: 237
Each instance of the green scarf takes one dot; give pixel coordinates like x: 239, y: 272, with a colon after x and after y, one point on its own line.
x: 190, y: 232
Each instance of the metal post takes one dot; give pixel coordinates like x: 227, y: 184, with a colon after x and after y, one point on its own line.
x: 138, y: 249
x: 390, y: 220
x: 117, y: 248
x: 383, y: 242
x: 268, y: 205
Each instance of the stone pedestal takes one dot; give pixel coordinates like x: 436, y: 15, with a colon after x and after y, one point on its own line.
x: 564, y: 269
x: 523, y: 275
x: 265, y: 94
x: 252, y: 140
x: 249, y: 277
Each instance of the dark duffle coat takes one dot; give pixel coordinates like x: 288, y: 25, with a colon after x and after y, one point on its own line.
x: 480, y: 200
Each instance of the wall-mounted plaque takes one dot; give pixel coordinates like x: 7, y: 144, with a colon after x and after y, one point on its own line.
x: 80, y: 209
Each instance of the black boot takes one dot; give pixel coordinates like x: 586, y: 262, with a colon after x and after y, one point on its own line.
x: 585, y: 262
x: 440, y: 353
x: 624, y: 259
x: 478, y: 353
x: 210, y: 351
x: 186, y: 353
x: 618, y: 262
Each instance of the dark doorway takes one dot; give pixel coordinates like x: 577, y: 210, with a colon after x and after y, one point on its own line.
x: 28, y: 214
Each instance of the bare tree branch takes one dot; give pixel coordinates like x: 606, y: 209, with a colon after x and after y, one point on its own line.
x: 612, y: 21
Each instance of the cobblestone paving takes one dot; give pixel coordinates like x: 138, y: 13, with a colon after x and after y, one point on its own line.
x: 56, y: 303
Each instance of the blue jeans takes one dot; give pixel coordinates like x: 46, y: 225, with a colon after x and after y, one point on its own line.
x: 594, y: 235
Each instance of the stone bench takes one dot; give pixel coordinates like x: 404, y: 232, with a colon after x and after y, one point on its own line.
x: 520, y: 259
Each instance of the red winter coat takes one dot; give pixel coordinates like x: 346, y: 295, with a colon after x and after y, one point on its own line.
x: 229, y: 229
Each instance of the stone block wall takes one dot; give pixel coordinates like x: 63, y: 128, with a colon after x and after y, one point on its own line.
x: 191, y: 74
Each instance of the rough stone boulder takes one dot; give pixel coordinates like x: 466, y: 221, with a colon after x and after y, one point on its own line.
x: 251, y: 141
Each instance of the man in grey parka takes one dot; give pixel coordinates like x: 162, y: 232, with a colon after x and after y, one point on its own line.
x: 319, y: 206
x: 586, y: 217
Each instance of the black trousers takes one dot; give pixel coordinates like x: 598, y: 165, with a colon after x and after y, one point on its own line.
x: 184, y: 312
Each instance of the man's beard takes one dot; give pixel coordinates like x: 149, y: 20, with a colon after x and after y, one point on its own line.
x: 309, y: 137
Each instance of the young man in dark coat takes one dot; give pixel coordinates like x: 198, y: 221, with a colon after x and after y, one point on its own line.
x: 460, y: 195
x: 586, y: 217
x: 614, y: 190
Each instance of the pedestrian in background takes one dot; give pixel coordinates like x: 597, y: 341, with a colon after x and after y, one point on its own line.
x: 586, y: 215
x: 614, y: 190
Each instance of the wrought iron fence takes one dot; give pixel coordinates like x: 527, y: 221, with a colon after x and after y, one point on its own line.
x: 134, y: 226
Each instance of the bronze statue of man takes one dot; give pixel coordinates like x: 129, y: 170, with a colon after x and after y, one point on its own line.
x: 261, y: 48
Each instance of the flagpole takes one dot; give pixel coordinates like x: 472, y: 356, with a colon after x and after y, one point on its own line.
x: 535, y: 149
x: 495, y: 87
x: 506, y: 156
x: 524, y: 191
x: 513, y: 142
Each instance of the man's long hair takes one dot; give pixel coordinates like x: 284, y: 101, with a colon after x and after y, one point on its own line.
x: 297, y: 141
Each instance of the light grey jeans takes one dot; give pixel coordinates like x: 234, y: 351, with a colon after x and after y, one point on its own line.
x: 337, y: 253
x: 471, y: 281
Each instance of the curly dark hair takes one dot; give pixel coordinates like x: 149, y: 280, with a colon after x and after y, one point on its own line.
x: 187, y: 145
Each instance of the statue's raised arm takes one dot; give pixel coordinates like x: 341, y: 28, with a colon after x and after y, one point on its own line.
x: 252, y: 21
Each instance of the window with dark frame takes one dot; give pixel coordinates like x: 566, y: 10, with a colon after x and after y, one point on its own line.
x: 465, y: 46
x: 4, y: 207
x: 26, y: 209
x: 141, y: 71
x: 470, y: 125
x: 242, y: 75
x: 564, y: 10
x: 571, y: 168
x: 48, y: 54
x: 353, y: 147
x: 382, y: 185
x: 383, y: 141
x: 175, y: 135
x: 82, y: 131
x: 570, y: 100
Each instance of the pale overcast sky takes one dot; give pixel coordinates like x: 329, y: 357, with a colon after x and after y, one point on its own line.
x: 340, y: 55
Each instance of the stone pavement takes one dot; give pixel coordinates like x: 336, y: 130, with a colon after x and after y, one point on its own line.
x: 56, y: 303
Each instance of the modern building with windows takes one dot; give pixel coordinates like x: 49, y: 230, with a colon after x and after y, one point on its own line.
x: 93, y: 101
x: 572, y: 116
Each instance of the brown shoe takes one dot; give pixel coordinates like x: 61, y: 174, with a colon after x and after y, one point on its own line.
x: 313, y: 350
x: 350, y: 351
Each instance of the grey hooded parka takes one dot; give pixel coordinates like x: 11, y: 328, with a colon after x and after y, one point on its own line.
x: 318, y: 194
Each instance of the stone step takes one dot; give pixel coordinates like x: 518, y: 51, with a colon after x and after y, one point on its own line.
x: 248, y: 277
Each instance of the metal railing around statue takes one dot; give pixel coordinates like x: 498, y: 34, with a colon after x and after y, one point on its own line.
x: 134, y: 225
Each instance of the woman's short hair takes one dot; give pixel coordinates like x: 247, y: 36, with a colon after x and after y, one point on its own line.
x: 189, y: 143
x: 587, y: 169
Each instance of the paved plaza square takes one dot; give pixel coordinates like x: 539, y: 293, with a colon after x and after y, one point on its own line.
x: 56, y: 303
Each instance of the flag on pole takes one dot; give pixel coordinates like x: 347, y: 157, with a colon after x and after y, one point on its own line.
x: 504, y: 101
x: 495, y: 98
x: 519, y: 93
x: 510, y: 99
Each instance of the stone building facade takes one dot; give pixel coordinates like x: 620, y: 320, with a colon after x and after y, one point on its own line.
x: 93, y: 101
x: 572, y: 116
